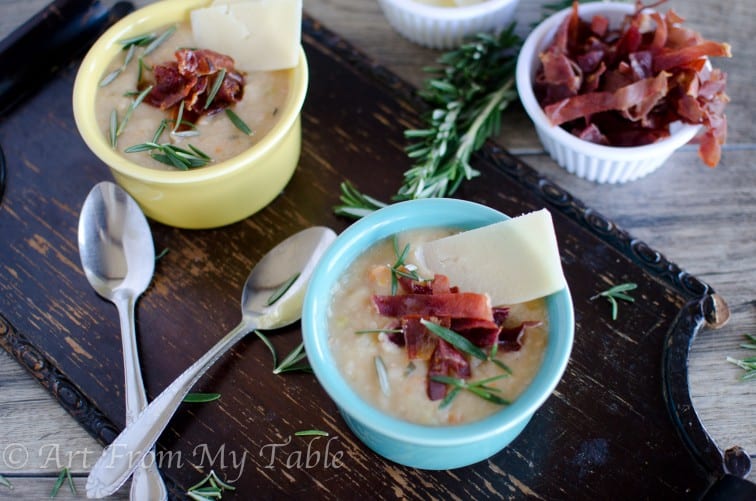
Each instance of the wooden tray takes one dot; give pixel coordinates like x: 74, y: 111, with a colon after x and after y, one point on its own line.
x: 621, y: 420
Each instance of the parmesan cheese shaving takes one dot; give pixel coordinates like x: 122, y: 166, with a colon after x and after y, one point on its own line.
x: 513, y: 261
x: 261, y: 35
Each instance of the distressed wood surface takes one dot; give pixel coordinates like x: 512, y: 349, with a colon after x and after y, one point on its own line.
x: 701, y: 219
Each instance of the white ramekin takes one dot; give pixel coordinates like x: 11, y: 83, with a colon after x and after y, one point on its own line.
x: 602, y: 164
x: 446, y: 27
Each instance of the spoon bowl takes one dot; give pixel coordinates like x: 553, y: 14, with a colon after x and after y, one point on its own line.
x: 118, y: 258
x: 271, y: 298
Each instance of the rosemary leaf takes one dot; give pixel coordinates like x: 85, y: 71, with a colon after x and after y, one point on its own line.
x: 157, y: 42
x: 270, y: 346
x: 449, y: 397
x: 141, y: 147
x: 140, y: 40
x: 179, y: 117
x: 162, y: 254
x: 291, y: 362
x: 216, y: 87
x: 355, y: 204
x: 378, y: 331
x: 134, y: 104
x: 71, y: 485
x: 129, y: 55
x: 201, y: 398
x: 311, y: 433
x: 58, y: 483
x: 5, y: 482
x: 108, y: 79
x: 748, y: 364
x: 160, y: 129
x: 113, y: 129
x: 398, y: 269
x: 383, y: 378
x: 281, y: 290
x: 238, y: 122
x: 64, y: 476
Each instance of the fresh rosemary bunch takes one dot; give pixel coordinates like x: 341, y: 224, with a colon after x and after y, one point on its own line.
x: 467, y: 96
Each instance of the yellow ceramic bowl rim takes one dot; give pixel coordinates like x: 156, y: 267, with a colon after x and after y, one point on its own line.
x: 100, y: 55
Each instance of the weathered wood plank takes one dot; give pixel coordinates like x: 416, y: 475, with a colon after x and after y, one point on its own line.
x: 700, y: 219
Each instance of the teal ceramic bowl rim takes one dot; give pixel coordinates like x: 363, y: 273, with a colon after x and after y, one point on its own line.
x: 352, y: 242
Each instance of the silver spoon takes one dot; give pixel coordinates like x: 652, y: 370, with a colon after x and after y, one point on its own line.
x: 118, y: 257
x: 294, y: 258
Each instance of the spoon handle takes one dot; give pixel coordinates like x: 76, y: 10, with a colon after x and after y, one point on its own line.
x: 147, y: 482
x: 129, y: 448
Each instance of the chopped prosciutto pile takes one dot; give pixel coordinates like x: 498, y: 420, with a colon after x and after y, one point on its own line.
x: 468, y: 314
x: 191, y: 79
x: 625, y: 86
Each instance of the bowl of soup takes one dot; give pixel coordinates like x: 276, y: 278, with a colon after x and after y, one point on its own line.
x: 196, y: 139
x: 405, y: 389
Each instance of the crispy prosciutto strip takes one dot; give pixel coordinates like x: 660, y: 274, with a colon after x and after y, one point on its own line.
x: 446, y: 361
x: 512, y: 338
x: 420, y: 343
x: 190, y: 79
x: 468, y: 314
x: 462, y: 304
x: 625, y: 86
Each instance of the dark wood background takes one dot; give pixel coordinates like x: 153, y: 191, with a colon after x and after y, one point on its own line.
x: 606, y: 425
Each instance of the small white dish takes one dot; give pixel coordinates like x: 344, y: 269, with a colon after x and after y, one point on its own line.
x: 440, y: 27
x: 594, y: 162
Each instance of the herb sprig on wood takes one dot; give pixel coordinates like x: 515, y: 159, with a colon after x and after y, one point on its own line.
x: 748, y: 364
x: 612, y: 294
x: 467, y: 94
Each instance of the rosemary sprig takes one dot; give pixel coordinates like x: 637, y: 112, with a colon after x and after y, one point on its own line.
x: 400, y: 256
x: 478, y: 388
x: 356, y: 204
x: 281, y: 290
x: 210, y: 487
x: 293, y: 362
x: 5, y: 482
x: 170, y: 154
x: 65, y: 475
x: 201, y: 398
x: 617, y: 292
x: 152, y: 42
x: 468, y: 94
x: 747, y: 364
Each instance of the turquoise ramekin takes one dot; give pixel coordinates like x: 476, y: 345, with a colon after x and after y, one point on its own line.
x: 409, y: 444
